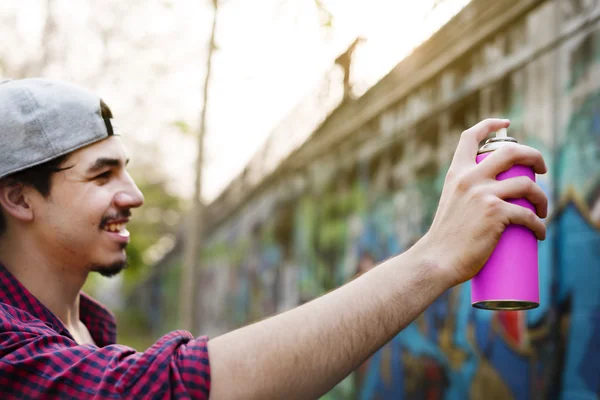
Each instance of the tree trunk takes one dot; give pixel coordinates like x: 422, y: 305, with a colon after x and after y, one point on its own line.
x: 193, y: 241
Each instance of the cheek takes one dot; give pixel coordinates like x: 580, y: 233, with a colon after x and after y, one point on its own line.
x: 78, y: 208
x: 76, y: 218
x: 90, y: 206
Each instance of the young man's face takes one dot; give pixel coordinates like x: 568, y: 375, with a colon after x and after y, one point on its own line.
x: 83, y: 220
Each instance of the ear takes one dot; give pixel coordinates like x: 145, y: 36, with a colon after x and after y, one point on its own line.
x: 14, y: 200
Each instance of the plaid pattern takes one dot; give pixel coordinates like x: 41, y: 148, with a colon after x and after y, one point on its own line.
x: 39, y: 359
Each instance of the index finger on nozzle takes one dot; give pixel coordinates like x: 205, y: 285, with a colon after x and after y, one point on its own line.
x: 470, y: 139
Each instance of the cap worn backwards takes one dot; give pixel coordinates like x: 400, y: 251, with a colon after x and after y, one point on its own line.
x: 41, y: 119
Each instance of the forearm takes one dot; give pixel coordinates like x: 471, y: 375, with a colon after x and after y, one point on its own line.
x: 304, y: 352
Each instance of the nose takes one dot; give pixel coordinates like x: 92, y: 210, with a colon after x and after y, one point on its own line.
x: 130, y: 196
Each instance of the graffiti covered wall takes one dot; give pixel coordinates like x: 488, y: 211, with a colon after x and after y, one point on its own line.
x: 373, y: 196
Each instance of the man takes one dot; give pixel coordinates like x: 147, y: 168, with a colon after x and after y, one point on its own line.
x: 65, y: 199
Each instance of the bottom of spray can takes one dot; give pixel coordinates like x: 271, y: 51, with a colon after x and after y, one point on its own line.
x: 505, y: 305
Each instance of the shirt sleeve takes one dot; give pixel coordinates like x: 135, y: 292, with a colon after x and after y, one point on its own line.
x: 53, y: 366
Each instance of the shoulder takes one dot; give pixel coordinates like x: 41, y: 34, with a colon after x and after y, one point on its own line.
x: 13, y: 319
x: 24, y: 336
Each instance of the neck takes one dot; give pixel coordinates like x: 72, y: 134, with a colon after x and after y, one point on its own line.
x: 51, y: 281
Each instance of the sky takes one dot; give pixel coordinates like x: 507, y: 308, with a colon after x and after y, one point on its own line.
x: 285, y: 51
x: 271, y: 54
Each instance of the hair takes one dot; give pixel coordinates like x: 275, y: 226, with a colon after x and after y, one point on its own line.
x: 40, y: 176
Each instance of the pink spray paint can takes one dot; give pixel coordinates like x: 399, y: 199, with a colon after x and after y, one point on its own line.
x: 509, y: 279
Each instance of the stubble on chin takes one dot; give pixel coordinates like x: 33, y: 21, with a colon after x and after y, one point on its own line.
x: 110, y: 270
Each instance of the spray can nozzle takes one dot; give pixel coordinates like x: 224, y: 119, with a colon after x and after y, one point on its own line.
x: 494, y: 143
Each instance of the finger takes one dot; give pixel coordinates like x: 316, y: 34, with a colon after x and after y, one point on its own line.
x: 466, y: 151
x: 512, y: 154
x: 524, y: 216
x: 523, y: 187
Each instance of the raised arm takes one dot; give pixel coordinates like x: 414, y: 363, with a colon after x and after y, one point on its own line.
x: 304, y: 352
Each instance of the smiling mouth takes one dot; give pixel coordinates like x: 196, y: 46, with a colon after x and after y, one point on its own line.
x: 118, y: 228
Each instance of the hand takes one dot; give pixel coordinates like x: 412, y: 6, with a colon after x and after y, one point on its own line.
x: 472, y: 213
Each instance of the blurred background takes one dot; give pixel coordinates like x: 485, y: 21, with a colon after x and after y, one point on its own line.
x: 325, y: 129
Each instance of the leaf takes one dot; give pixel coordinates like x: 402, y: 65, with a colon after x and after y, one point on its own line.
x: 325, y: 15
x: 183, y: 127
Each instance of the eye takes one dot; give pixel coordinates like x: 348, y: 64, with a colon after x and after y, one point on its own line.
x: 104, y: 175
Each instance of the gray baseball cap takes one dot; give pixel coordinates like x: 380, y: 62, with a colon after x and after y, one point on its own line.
x: 41, y: 119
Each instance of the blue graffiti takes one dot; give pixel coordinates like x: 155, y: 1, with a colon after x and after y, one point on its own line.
x: 575, y: 284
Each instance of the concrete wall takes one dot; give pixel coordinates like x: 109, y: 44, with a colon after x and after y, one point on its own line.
x: 365, y: 187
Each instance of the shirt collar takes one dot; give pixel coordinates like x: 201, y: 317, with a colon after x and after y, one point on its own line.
x: 99, y: 320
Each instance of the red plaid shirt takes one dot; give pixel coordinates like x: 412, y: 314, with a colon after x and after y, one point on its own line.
x: 39, y: 358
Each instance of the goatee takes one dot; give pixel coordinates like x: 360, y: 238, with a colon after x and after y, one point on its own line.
x: 109, y: 270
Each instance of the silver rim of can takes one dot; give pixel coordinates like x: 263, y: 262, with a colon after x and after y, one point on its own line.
x: 505, y: 305
x: 495, y: 143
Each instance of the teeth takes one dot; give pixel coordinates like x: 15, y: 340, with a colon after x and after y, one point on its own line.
x: 115, y: 227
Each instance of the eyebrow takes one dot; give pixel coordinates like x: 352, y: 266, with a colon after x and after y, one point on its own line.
x: 104, y: 162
